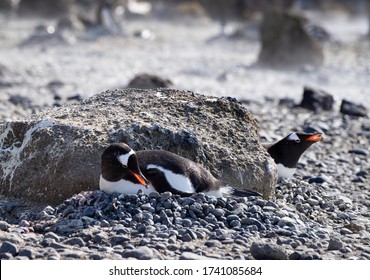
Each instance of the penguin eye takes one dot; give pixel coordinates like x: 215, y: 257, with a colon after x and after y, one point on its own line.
x: 297, y: 140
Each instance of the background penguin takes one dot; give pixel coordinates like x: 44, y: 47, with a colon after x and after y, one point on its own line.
x: 287, y: 151
x: 124, y: 171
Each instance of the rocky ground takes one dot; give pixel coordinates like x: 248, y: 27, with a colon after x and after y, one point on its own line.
x: 322, y: 213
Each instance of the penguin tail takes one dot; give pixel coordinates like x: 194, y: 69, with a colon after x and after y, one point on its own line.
x: 243, y: 193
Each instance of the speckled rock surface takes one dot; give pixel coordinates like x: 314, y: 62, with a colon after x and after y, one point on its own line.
x: 56, y: 153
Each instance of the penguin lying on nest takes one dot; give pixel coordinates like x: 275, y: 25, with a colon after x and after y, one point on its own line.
x: 125, y: 171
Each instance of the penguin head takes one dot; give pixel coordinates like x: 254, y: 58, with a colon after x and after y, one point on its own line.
x: 288, y: 150
x: 302, y: 139
x: 121, y: 160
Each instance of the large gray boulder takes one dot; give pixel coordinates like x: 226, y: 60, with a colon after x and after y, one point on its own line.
x: 286, y: 43
x: 56, y: 153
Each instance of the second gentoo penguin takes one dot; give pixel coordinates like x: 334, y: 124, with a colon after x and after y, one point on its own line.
x: 125, y: 171
x: 288, y: 150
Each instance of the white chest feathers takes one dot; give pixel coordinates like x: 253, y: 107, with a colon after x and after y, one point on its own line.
x: 285, y: 172
x: 123, y: 186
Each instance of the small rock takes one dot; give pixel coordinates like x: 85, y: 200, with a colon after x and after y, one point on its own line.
x: 317, y: 180
x: 316, y: 100
x: 187, y: 222
x: 75, y: 241
x: 148, y: 81
x: 335, y: 244
x: 28, y: 252
x: 140, y: 253
x: 288, y: 102
x: 213, y: 243
x: 119, y: 239
x: 89, y: 211
x: 353, y: 109
x: 264, y: 251
x: 345, y: 231
x: 52, y: 235
x: 191, y: 256
x: 76, y: 97
x: 359, y: 152
x: 8, y: 247
x: 4, y: 226
x: 19, y: 100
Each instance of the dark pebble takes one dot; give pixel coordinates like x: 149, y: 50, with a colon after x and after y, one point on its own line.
x: 335, y: 244
x: 353, y: 109
x: 8, y: 247
x: 27, y: 252
x: 264, y: 251
x: 4, y: 226
x: 75, y: 241
x: 140, y: 253
x: 358, y: 151
x: 119, y: 239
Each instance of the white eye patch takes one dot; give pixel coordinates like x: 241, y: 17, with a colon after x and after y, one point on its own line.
x: 294, y: 137
x: 123, y: 159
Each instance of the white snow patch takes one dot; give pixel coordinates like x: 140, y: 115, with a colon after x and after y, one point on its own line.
x: 14, y: 161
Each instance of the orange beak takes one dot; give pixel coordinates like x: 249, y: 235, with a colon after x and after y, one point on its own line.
x: 315, y: 137
x: 141, y: 179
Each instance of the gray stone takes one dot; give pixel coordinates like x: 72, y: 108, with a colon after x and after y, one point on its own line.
x: 52, y: 235
x: 187, y: 222
x: 8, y: 247
x: 192, y: 256
x: 140, y: 253
x: 75, y: 241
x: 63, y: 145
x: 316, y: 100
x: 353, y: 109
x: 4, y: 226
x: 186, y: 237
x: 89, y: 211
x: 213, y: 243
x: 335, y: 244
x: 285, y: 42
x: 264, y: 251
x: 11, y: 237
x: 119, y: 239
x: 218, y: 212
x: 75, y: 223
x: 345, y: 231
x: 28, y: 252
x: 148, y: 81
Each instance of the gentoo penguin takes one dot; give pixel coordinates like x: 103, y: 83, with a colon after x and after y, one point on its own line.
x: 125, y: 171
x: 288, y: 150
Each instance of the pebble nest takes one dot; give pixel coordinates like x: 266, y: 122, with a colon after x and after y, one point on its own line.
x: 322, y: 213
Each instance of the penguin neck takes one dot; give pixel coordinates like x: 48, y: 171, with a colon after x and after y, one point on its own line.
x: 285, y: 155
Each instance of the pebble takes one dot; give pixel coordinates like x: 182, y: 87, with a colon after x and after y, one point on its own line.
x: 213, y: 243
x: 75, y: 241
x: 345, y: 231
x: 191, y: 256
x: 140, y: 253
x: 8, y: 247
x: 335, y: 244
x: 4, y: 226
x: 28, y: 252
x: 264, y: 251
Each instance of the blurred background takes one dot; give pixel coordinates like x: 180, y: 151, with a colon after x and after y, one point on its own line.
x: 57, y: 52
